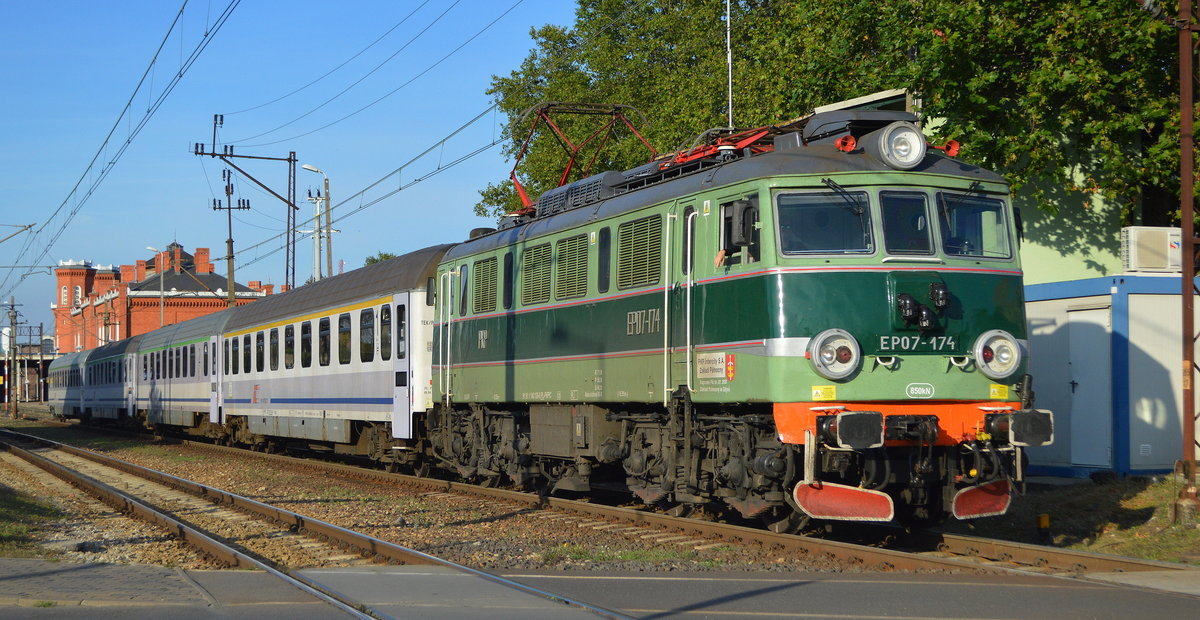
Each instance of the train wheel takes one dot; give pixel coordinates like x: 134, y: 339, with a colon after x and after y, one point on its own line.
x: 784, y: 520
x: 423, y: 470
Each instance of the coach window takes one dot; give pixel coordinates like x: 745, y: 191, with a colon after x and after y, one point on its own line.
x: 385, y: 332
x: 158, y: 365
x: 192, y: 360
x: 323, y: 342
x: 400, y: 331
x: 306, y: 344
x: 508, y: 280
x: 603, y: 259
x: 260, y: 352
x: 289, y: 347
x: 236, y: 351
x: 225, y: 363
x: 344, y: 334
x: 366, y: 335
x: 169, y: 364
x: 274, y: 348
x: 204, y: 369
x: 145, y: 368
x: 246, y: 354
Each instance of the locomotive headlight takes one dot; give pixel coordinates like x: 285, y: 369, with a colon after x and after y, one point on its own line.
x: 997, y: 354
x: 834, y: 354
x: 900, y: 145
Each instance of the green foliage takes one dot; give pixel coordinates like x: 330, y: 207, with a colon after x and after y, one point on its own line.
x: 1080, y: 95
x: 378, y: 258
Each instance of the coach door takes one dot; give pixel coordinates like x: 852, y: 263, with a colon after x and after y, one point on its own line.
x: 212, y: 361
x: 395, y: 326
x: 130, y: 382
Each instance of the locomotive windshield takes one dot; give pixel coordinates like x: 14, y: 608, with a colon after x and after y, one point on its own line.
x: 973, y: 226
x: 905, y: 223
x: 825, y: 223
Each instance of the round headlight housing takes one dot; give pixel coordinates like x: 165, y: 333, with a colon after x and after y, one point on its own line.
x: 900, y: 145
x: 834, y: 354
x: 997, y: 354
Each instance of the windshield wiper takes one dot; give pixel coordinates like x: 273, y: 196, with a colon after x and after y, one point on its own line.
x: 852, y: 203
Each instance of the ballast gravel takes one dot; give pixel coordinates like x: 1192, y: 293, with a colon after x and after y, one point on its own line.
x: 489, y: 535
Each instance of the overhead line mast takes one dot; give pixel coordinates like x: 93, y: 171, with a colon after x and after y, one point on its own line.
x: 227, y: 155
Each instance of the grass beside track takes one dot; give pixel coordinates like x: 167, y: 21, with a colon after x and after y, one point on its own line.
x: 20, y: 516
x: 1129, y: 517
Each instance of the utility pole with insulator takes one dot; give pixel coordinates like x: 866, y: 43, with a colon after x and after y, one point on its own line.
x: 242, y: 205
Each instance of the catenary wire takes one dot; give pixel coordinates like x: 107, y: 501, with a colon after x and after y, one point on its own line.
x: 110, y: 162
x: 335, y: 69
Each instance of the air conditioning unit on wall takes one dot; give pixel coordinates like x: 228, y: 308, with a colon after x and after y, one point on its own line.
x: 1150, y: 249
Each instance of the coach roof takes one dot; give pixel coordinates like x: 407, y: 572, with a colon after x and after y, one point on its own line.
x: 402, y: 273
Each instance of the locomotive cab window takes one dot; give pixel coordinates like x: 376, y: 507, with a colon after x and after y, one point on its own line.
x: 740, y: 239
x: 824, y: 223
x: 973, y: 226
x: 905, y: 223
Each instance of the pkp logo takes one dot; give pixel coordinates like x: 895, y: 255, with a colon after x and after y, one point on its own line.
x: 919, y: 390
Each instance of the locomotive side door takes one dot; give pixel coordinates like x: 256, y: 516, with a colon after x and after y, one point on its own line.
x: 213, y: 366
x: 680, y: 269
x: 396, y: 326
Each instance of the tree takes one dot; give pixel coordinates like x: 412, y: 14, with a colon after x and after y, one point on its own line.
x: 1069, y: 99
x: 378, y: 258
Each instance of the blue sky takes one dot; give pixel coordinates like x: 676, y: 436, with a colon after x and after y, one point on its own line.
x: 69, y: 67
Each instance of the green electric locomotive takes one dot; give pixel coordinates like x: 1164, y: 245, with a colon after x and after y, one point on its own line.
x: 822, y: 319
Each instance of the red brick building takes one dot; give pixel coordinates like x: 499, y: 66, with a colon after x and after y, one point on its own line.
x: 97, y: 304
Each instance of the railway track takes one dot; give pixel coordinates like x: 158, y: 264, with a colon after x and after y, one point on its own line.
x: 236, y: 531
x: 923, y: 551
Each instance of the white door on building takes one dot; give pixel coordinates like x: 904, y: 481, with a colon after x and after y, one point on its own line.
x: 1090, y: 388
